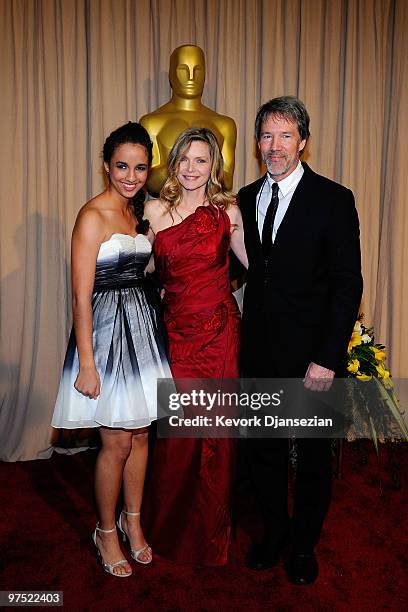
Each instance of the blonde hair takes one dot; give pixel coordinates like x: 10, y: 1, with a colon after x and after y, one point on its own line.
x: 215, y: 191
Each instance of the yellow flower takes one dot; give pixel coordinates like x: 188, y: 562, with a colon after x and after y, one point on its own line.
x: 363, y: 377
x: 353, y: 366
x: 380, y: 355
x: 354, y: 341
x: 358, y: 328
x: 382, y: 372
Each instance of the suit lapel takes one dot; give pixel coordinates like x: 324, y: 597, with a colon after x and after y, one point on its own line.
x: 302, y: 194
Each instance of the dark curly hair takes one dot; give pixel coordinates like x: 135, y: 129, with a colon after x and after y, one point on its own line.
x: 131, y: 133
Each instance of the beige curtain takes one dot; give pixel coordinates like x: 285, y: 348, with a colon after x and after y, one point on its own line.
x: 73, y: 70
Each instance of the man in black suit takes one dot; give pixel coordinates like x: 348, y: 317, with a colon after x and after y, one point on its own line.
x: 302, y: 297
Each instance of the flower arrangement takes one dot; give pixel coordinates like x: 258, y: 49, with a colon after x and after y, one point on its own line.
x: 365, y: 358
x: 366, y: 362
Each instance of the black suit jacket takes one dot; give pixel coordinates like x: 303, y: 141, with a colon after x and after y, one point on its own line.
x: 305, y: 309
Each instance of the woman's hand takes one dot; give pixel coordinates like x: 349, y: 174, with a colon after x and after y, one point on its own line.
x: 88, y: 382
x: 149, y: 269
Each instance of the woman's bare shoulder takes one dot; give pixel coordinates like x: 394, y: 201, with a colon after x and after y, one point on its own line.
x: 91, y: 218
x: 233, y: 211
x: 153, y: 209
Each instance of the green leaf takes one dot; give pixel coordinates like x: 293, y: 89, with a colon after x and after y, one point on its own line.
x: 393, y: 407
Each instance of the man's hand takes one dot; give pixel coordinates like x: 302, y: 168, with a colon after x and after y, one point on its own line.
x: 318, y: 378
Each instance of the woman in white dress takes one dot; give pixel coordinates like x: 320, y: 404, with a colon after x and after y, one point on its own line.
x: 116, y: 350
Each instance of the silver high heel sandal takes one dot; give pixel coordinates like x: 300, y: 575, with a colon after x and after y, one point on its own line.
x: 109, y: 567
x: 135, y: 554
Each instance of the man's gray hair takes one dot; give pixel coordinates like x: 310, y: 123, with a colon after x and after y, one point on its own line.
x: 286, y: 107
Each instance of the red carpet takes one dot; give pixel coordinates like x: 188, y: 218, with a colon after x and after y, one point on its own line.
x: 47, y: 517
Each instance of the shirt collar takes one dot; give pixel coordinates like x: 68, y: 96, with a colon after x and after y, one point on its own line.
x: 286, y: 184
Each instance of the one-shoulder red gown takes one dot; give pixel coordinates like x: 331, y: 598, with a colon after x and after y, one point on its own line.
x: 187, y: 505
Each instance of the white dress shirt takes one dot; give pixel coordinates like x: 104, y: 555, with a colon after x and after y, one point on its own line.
x: 287, y: 187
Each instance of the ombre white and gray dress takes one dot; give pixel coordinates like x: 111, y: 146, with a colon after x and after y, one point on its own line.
x: 128, y: 343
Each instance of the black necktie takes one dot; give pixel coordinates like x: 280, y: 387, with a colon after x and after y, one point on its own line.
x: 269, y: 220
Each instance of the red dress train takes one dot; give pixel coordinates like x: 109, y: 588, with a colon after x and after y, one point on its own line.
x: 187, y: 503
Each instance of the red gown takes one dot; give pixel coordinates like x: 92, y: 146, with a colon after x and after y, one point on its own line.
x: 187, y: 505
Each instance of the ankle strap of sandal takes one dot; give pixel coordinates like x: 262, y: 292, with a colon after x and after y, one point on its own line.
x: 105, y: 530
x: 130, y: 513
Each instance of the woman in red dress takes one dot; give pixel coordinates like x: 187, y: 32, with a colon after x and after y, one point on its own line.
x: 195, y: 221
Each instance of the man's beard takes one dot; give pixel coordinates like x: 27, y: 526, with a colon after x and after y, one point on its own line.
x: 281, y: 167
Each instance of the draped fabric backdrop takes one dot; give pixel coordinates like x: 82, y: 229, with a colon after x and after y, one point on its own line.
x: 73, y: 70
